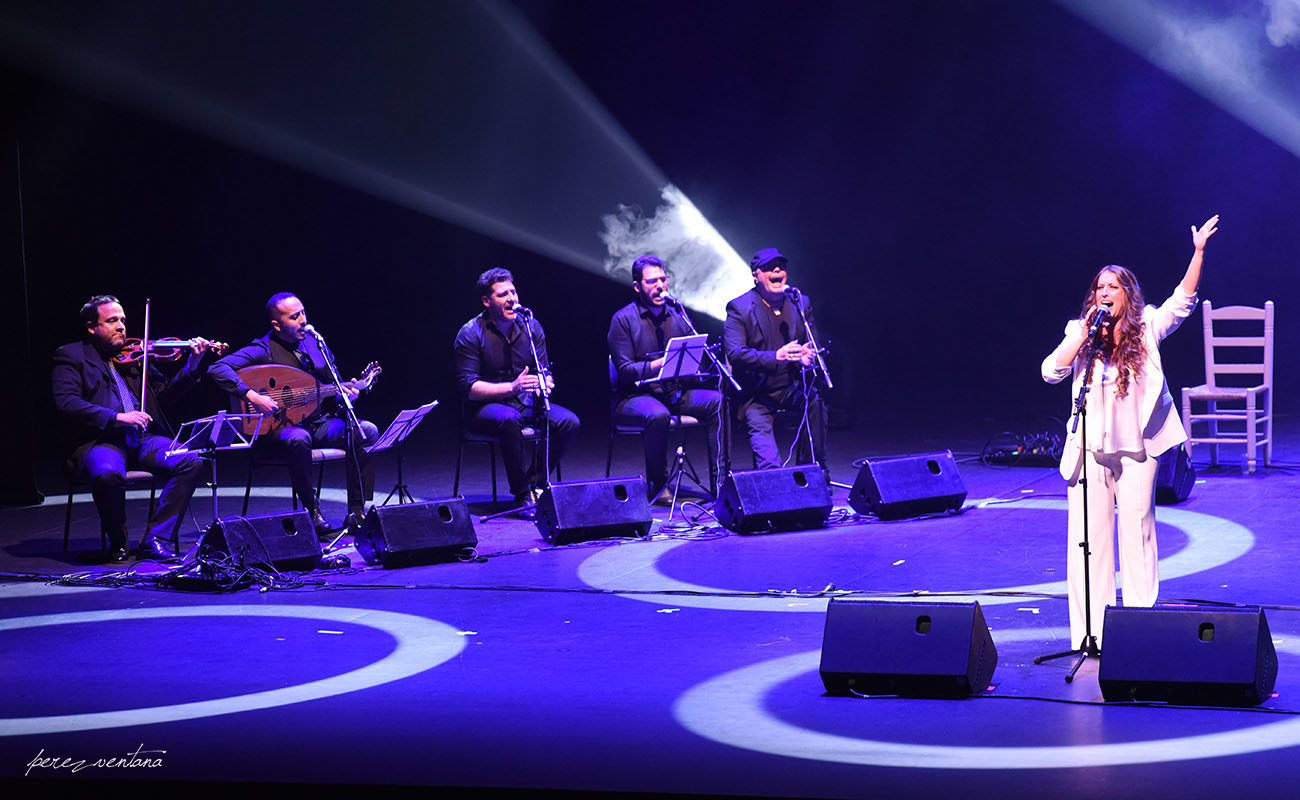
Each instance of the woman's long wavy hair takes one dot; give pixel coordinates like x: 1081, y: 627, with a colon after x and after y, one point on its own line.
x: 1130, y: 350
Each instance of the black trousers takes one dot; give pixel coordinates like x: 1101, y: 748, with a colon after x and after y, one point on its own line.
x: 761, y: 416
x: 297, y: 443
x: 106, y: 463
x: 652, y: 412
x: 506, y: 421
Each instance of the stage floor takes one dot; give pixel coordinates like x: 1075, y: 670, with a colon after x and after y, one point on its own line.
x: 683, y: 663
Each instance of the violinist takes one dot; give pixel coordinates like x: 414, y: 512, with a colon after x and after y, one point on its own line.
x: 500, y: 383
x: 289, y: 344
x: 112, y: 430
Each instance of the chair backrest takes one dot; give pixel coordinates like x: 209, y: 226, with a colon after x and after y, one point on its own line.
x: 1215, y: 341
x: 613, y: 375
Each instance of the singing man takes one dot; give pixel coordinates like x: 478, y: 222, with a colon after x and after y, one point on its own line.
x: 768, y: 345
x: 638, y: 334
x: 500, y: 383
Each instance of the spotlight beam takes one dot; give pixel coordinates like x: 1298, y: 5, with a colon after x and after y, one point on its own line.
x: 1245, y: 63
x: 456, y: 109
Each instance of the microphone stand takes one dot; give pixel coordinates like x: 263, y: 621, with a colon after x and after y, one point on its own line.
x: 819, y: 364
x: 797, y: 296
x: 352, y: 426
x: 724, y: 413
x: 1088, y: 646
x: 542, y: 419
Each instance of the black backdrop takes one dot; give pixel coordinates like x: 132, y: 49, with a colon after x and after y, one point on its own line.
x: 945, y: 177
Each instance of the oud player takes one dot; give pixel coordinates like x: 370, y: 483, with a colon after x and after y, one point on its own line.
x: 291, y: 343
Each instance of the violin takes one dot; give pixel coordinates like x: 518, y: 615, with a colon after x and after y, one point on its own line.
x: 168, y: 349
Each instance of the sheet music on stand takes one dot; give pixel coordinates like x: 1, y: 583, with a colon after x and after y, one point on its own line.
x: 682, y: 358
x: 204, y: 437
x: 401, y: 427
x: 393, y: 436
x: 224, y: 431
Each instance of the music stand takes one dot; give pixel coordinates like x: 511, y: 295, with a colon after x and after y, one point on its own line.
x: 682, y: 358
x: 207, y: 435
x: 401, y: 427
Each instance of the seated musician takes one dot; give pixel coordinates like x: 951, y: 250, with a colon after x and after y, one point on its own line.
x: 499, y: 381
x: 770, y: 348
x: 111, y: 432
x: 637, y: 336
x: 288, y: 344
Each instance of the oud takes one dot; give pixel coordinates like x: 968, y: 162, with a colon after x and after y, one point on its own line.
x: 297, y: 393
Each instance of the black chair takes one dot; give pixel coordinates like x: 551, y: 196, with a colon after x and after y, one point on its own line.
x: 676, y: 422
x: 468, y: 437
x: 135, y: 479
x: 320, y: 456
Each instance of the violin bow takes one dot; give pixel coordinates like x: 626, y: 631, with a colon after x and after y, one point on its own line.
x: 144, y: 361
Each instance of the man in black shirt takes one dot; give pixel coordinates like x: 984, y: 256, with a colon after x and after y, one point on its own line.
x: 638, y: 334
x: 112, y: 431
x: 767, y: 345
x: 499, y: 382
x: 288, y: 344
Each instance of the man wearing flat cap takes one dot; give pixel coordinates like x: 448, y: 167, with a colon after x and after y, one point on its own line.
x: 767, y: 342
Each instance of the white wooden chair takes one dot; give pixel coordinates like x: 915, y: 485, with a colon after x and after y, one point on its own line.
x: 1249, y: 410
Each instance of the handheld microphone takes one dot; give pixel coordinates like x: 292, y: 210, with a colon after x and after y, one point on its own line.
x: 1097, y: 321
x: 518, y: 309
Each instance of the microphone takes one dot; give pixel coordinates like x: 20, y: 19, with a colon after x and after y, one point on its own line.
x: 309, y: 328
x: 792, y: 291
x: 1098, y: 320
x: 668, y: 298
x: 518, y: 309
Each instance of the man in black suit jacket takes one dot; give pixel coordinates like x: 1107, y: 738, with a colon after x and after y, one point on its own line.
x: 111, y: 431
x: 767, y: 344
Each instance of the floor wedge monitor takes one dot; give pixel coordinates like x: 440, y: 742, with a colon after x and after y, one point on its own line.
x: 577, y: 511
x: 940, y: 650
x: 908, y: 486
x: 1212, y: 656
x: 784, y: 499
x: 285, y: 541
x: 408, y: 534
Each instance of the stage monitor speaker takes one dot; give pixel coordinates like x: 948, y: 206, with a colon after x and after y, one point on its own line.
x: 1195, y: 656
x: 909, y: 649
x: 908, y: 486
x: 285, y: 541
x: 408, y: 534
x: 576, y: 511
x: 765, y: 500
x: 1175, y: 476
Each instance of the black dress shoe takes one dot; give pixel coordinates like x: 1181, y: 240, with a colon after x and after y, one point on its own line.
x: 116, y: 555
x: 352, y: 524
x: 322, y: 525
x: 154, y: 550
